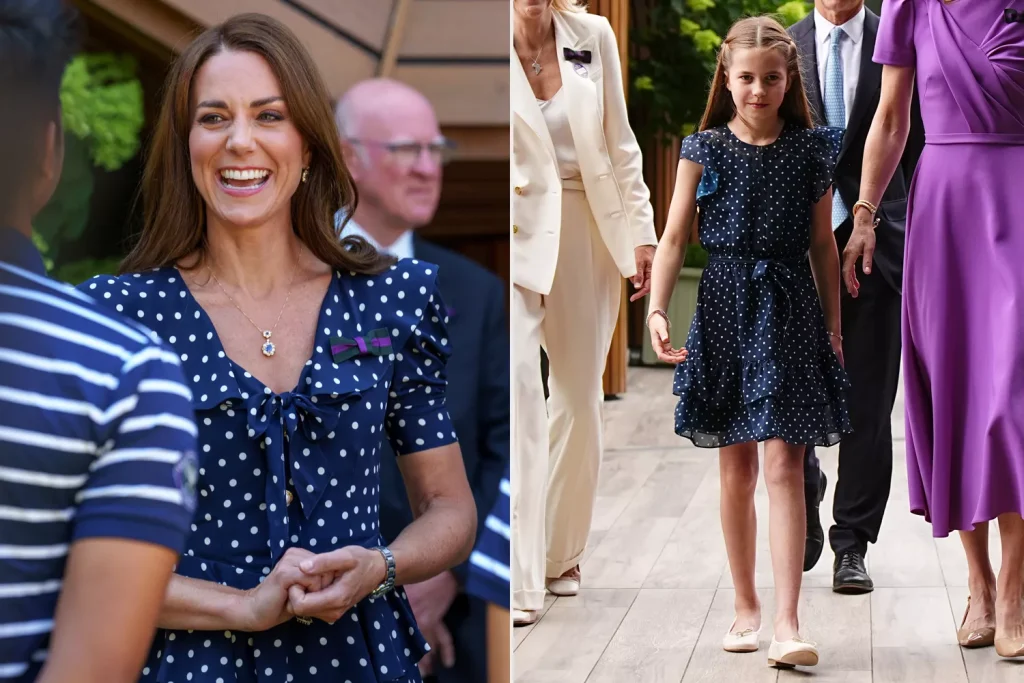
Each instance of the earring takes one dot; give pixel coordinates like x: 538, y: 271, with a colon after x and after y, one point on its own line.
x: 305, y: 174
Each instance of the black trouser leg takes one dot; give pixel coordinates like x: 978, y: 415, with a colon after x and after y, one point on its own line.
x: 871, y: 347
x: 812, y: 469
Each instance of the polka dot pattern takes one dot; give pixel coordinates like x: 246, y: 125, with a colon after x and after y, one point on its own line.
x: 300, y: 469
x: 760, y: 363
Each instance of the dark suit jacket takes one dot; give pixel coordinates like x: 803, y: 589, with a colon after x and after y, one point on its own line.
x: 892, y: 211
x: 478, y: 402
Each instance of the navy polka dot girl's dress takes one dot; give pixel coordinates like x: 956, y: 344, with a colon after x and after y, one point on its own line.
x: 300, y: 469
x: 760, y: 362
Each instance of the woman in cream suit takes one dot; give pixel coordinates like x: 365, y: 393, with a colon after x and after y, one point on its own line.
x: 582, y: 220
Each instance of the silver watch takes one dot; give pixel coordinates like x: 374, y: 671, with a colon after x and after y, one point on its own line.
x: 389, y: 581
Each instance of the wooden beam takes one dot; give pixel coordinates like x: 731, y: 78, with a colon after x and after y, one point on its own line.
x: 394, y: 38
x: 479, y: 143
x: 615, y: 374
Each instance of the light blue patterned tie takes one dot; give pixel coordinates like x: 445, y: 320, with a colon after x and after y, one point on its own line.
x: 835, y: 110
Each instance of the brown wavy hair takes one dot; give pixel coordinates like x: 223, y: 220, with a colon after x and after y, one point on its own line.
x: 174, y: 224
x: 757, y: 32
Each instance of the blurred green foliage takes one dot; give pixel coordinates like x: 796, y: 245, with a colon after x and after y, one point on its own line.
x: 102, y: 115
x: 676, y: 44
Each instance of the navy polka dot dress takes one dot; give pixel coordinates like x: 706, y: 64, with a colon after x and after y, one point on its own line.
x: 760, y: 363
x: 301, y: 468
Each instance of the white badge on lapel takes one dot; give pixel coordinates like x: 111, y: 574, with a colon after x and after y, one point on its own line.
x: 580, y: 69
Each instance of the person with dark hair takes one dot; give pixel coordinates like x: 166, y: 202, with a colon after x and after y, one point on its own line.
x: 303, y: 351
x: 97, y: 434
x: 763, y: 359
x: 963, y: 284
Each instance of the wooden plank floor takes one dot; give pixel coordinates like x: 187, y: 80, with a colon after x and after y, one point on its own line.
x: 658, y: 596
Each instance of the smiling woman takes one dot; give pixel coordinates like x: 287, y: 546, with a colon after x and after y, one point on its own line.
x: 300, y: 361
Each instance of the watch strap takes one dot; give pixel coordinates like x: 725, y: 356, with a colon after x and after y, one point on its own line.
x: 389, y: 580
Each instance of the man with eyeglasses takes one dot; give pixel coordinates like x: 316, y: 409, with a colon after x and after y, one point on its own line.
x: 395, y: 151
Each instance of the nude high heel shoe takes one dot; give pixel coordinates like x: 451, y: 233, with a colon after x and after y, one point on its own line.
x: 1011, y: 643
x: 980, y: 637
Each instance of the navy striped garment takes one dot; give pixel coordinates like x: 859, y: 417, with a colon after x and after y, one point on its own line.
x: 489, y: 563
x: 97, y: 439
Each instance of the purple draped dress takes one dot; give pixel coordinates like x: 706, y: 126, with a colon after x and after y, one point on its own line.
x: 963, y: 295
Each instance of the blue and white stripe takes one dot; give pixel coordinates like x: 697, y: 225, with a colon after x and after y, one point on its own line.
x: 489, y: 574
x: 95, y: 419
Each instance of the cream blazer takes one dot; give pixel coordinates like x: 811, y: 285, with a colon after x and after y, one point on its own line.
x: 609, y: 157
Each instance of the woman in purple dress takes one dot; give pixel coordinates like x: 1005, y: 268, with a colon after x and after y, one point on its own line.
x: 963, y: 290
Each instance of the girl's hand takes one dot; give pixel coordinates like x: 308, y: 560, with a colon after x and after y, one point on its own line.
x: 661, y: 342
x: 837, y: 346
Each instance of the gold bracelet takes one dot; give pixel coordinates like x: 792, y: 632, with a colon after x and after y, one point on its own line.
x: 872, y: 209
x: 833, y: 334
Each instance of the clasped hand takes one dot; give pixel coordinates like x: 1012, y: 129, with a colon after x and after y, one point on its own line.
x: 304, y: 584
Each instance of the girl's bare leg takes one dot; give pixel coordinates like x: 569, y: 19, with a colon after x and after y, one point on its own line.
x: 738, y: 468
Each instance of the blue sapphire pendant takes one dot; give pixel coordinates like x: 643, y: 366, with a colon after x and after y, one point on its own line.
x: 268, y: 346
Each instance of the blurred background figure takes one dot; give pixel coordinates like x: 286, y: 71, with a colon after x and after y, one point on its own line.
x: 395, y: 151
x: 97, y: 436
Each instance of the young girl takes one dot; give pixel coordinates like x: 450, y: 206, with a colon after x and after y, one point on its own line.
x: 762, y: 362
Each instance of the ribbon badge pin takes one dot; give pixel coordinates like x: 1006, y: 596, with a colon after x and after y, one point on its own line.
x: 578, y: 59
x: 375, y: 343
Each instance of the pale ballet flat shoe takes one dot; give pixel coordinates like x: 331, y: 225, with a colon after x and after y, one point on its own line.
x: 741, y: 641
x: 524, y: 617
x: 565, y: 586
x: 793, y: 652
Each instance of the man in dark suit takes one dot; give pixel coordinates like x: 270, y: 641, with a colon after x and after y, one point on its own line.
x: 395, y: 152
x: 836, y: 43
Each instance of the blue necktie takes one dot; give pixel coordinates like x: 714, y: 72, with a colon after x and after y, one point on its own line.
x: 835, y: 110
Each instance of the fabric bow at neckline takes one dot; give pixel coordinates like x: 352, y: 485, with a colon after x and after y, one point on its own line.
x: 577, y: 55
x: 302, y: 425
x: 374, y: 343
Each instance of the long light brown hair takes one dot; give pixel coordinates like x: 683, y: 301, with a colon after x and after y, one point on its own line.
x: 757, y: 32
x: 174, y: 224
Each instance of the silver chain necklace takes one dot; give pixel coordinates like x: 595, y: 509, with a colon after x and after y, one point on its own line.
x: 268, y: 347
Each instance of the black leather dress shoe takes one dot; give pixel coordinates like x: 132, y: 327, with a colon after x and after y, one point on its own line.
x: 815, y: 534
x: 849, y: 575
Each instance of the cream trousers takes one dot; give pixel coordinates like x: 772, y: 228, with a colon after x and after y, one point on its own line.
x: 558, y: 451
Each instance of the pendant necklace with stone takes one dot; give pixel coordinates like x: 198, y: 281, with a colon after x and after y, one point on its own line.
x: 536, y: 65
x: 267, y: 347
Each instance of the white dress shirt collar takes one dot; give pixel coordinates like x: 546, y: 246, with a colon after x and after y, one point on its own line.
x: 402, y: 247
x: 854, y: 28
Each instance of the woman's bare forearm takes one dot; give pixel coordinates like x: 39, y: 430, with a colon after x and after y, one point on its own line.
x: 202, y: 606
x: 887, y: 137
x: 442, y: 534
x: 439, y: 539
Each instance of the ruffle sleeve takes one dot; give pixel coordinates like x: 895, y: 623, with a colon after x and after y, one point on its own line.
x: 825, y: 143
x: 698, y: 149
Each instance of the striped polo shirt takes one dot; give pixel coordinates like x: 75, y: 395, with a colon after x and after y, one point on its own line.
x: 97, y: 439
x: 489, y: 563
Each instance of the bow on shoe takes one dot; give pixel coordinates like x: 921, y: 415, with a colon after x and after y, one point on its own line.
x: 376, y: 343
x: 577, y: 55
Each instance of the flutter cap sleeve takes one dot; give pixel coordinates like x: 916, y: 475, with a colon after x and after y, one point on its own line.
x: 825, y: 145
x: 698, y: 149
x: 894, y: 44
